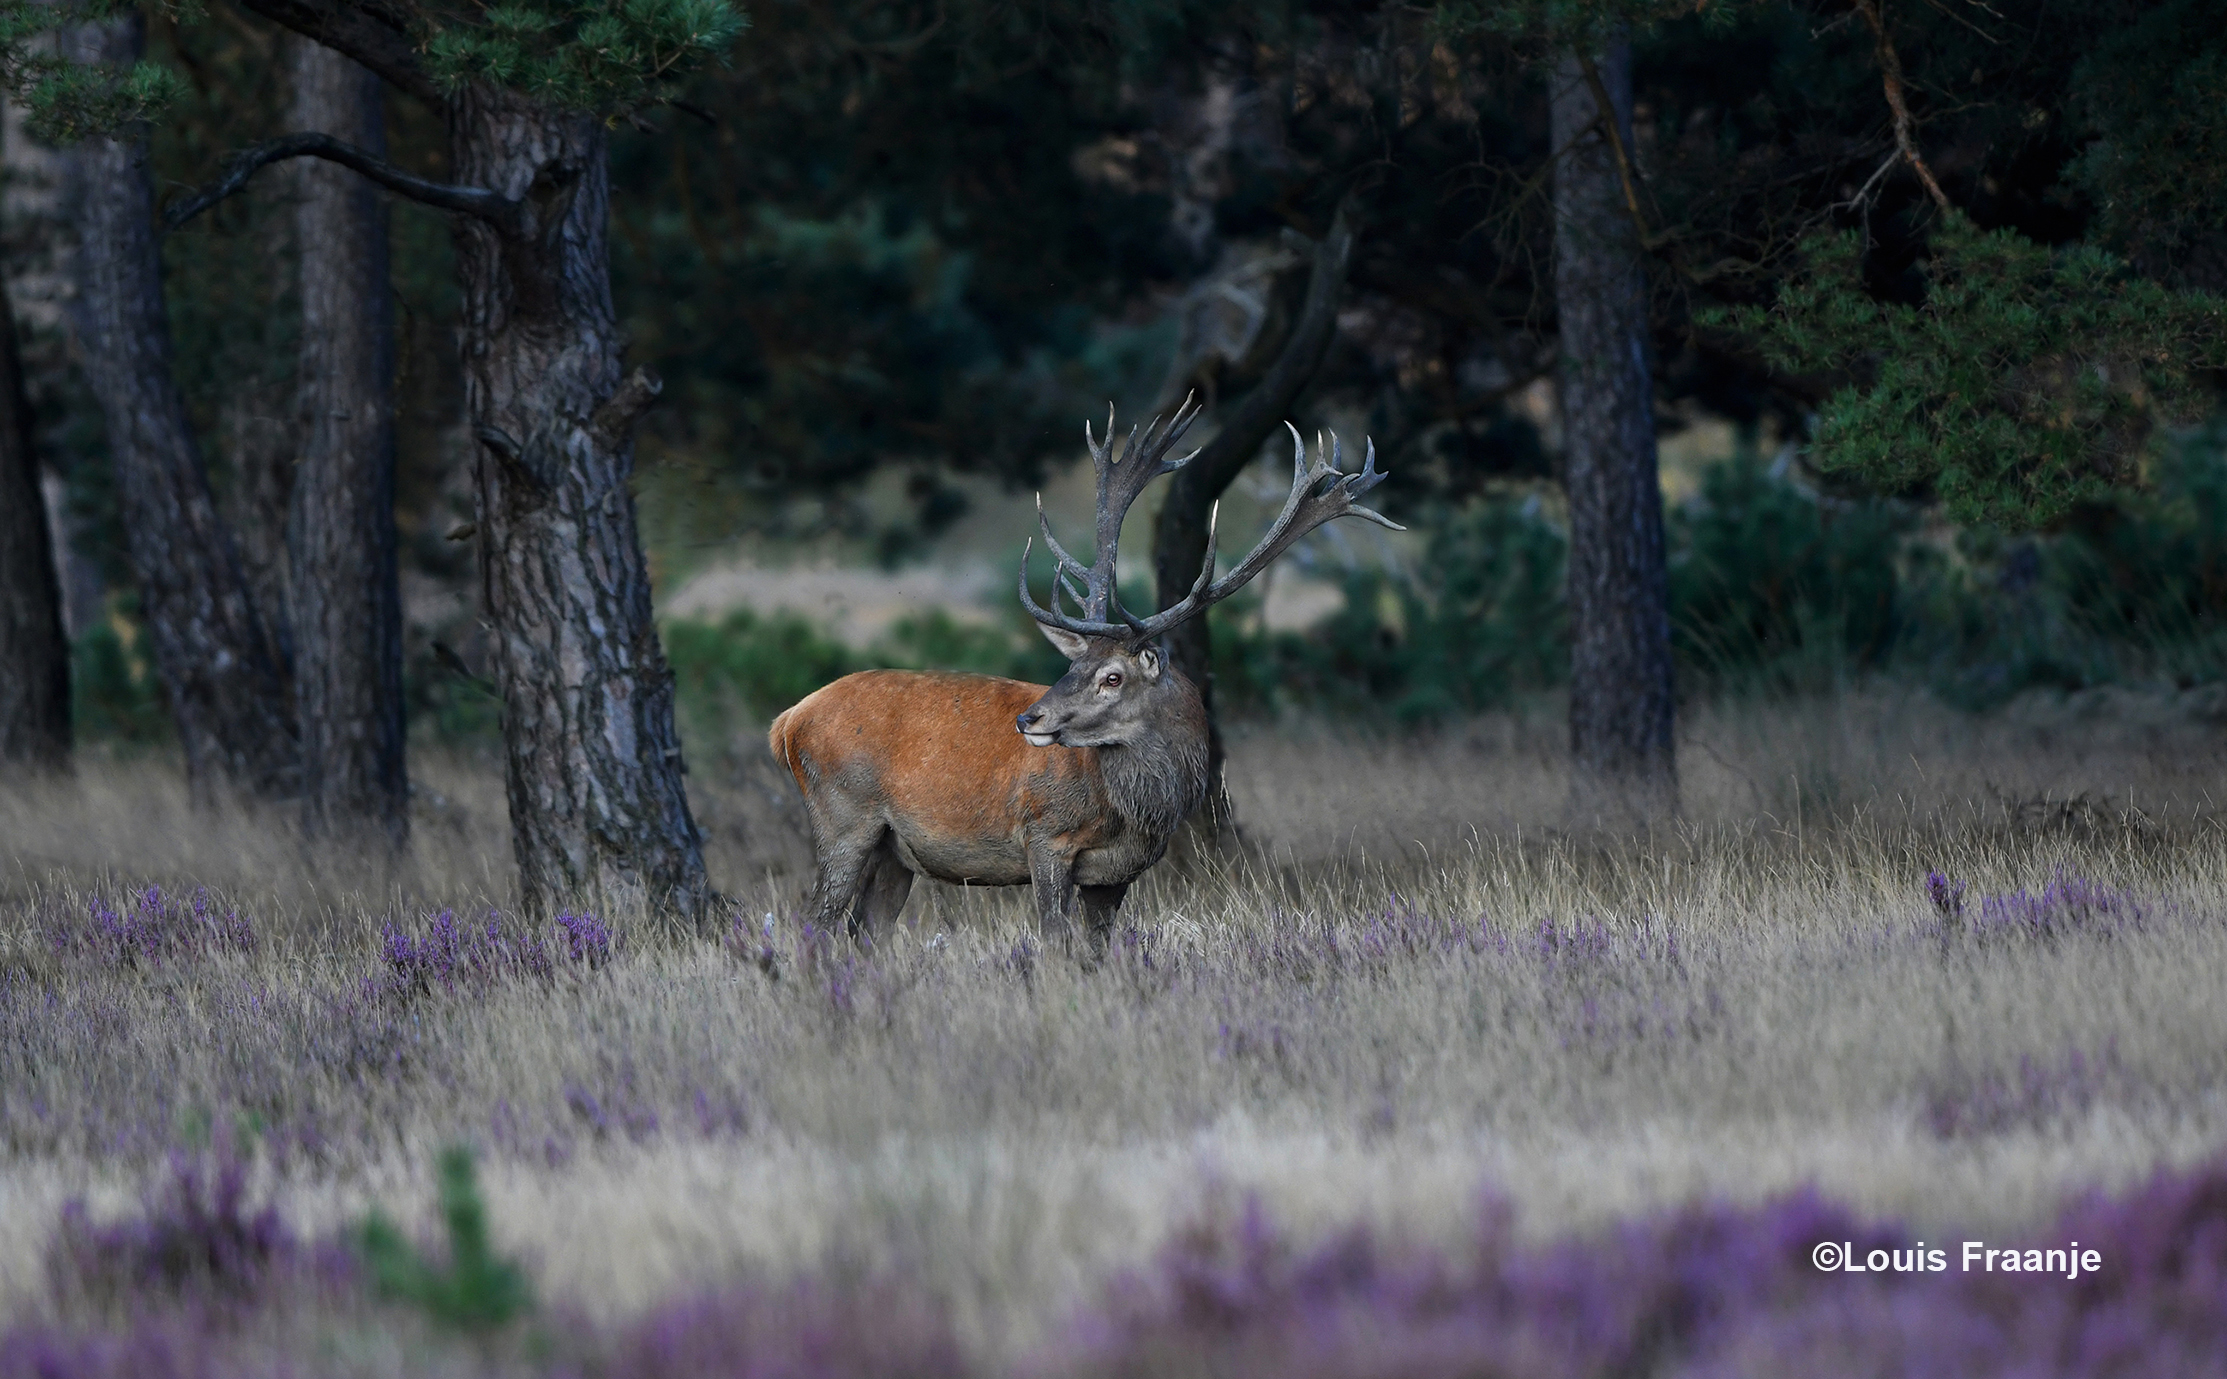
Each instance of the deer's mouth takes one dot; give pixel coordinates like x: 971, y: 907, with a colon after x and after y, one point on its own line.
x: 1041, y: 739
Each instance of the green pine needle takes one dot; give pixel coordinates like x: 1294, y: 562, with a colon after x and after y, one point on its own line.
x: 2027, y: 381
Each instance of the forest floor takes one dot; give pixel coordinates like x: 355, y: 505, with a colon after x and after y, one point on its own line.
x: 1949, y: 972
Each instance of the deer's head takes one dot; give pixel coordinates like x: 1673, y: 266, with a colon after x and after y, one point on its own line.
x: 1118, y: 671
x: 1109, y: 696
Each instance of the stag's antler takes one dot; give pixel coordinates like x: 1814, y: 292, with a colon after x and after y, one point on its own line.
x: 1319, y: 493
x: 1119, y: 482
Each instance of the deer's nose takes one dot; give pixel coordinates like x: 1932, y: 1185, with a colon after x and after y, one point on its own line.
x: 1030, y: 719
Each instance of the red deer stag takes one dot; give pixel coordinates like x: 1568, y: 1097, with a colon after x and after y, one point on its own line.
x: 921, y: 773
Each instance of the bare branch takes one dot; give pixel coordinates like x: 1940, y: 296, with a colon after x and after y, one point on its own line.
x: 1614, y: 129
x: 611, y: 422
x: 498, y: 210
x: 692, y: 110
x: 1890, y: 77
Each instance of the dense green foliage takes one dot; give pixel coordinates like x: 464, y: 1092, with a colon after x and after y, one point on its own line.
x: 2024, y: 381
x: 114, y: 699
x: 2154, y: 93
x: 1770, y: 579
x: 742, y: 670
x: 1777, y: 588
x: 612, y: 55
x: 924, y: 237
x: 67, y: 100
x: 1480, y: 621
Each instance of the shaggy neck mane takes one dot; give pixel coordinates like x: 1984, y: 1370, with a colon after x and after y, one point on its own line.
x: 1157, y: 780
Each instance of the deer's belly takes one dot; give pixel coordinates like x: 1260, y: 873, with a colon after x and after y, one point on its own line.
x: 1118, y: 864
x: 964, y: 861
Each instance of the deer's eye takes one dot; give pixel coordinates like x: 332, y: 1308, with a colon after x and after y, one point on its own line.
x: 1112, y: 680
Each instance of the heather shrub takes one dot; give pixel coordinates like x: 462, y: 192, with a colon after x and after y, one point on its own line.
x: 199, y: 1235
x: 448, y: 955
x: 1703, y: 1291
x: 150, y: 928
x: 2039, y: 1094
x: 809, y: 1329
x: 2068, y: 905
x: 166, y: 1347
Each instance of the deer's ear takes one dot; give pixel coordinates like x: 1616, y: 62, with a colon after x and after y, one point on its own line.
x: 1072, y: 645
x: 1148, y: 662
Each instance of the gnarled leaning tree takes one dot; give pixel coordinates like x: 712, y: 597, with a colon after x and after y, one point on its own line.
x: 1180, y: 530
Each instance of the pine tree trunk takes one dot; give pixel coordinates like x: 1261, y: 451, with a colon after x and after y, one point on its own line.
x: 222, y: 670
x: 1620, y: 678
x: 598, y: 810
x: 347, y: 609
x: 34, y: 653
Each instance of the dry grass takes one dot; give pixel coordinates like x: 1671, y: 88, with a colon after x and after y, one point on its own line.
x: 1358, y: 1017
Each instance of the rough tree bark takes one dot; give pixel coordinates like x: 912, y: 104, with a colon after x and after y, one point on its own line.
x: 222, y: 670
x: 347, y: 609
x: 597, y: 805
x: 598, y: 809
x: 1620, y: 677
x: 34, y: 652
x: 1179, y: 531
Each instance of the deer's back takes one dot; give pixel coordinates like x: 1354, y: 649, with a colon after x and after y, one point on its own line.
x: 936, y: 753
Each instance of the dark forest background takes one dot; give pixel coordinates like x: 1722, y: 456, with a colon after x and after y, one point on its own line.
x: 897, y: 247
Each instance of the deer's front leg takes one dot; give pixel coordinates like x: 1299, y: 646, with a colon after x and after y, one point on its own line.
x: 1099, y: 905
x: 1051, y: 877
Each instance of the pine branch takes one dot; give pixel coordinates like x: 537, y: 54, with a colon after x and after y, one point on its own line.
x: 366, y: 32
x: 498, y: 210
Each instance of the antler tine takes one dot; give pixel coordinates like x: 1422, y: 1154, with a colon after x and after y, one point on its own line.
x: 1056, y: 616
x: 1120, y: 482
x: 1067, y: 561
x: 1362, y: 482
x: 1309, y: 506
x: 1148, y: 628
x: 1101, y: 452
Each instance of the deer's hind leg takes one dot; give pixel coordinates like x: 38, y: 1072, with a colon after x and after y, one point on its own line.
x: 845, y: 840
x: 882, y: 890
